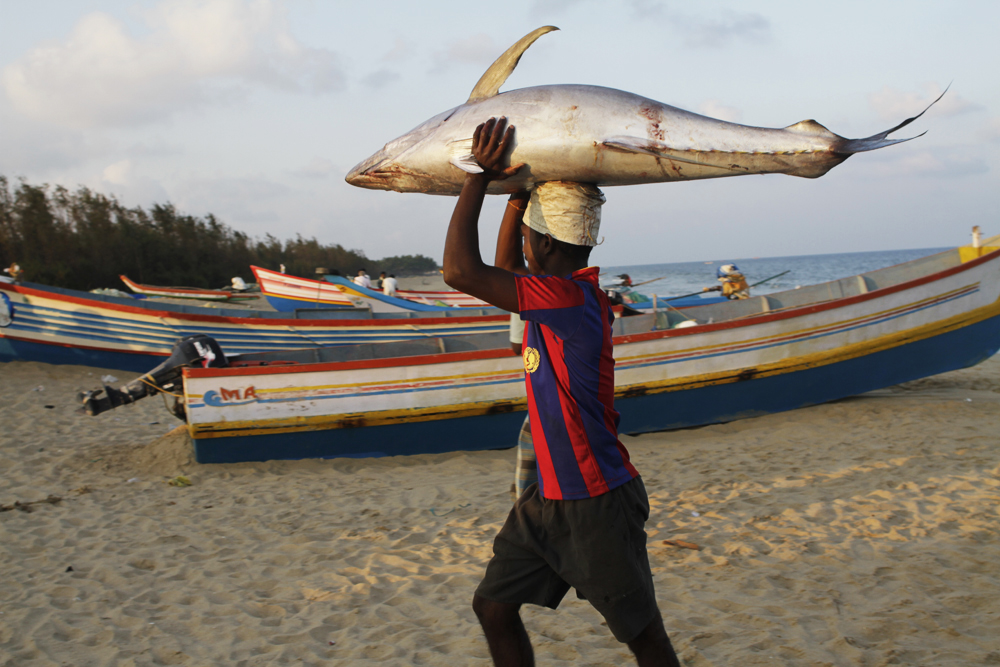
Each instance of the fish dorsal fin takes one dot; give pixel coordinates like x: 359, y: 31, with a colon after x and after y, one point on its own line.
x: 812, y: 128
x: 490, y: 82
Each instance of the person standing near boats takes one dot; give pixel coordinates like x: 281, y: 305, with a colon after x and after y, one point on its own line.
x: 389, y: 285
x: 362, y: 279
x: 581, y: 526
x: 510, y: 256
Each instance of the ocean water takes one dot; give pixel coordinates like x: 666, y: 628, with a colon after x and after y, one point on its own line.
x: 689, y: 277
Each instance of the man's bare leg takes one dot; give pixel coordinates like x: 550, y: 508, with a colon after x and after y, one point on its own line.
x: 652, y: 648
x: 505, y: 633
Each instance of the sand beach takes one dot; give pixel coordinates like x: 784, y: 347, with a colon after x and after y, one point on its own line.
x: 861, y: 532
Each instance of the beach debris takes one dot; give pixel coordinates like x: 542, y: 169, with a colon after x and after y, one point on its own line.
x: 695, y: 513
x: 70, y: 569
x: 681, y: 544
x: 134, y: 479
x: 26, y: 507
x: 39, y: 388
x: 436, y: 513
x: 108, y: 379
x: 50, y: 407
x: 180, y: 480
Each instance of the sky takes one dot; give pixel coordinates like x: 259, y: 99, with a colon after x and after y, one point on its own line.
x: 255, y: 110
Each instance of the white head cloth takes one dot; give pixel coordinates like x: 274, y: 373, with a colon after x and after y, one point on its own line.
x: 569, y: 212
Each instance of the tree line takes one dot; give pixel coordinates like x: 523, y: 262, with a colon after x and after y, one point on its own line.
x: 84, y: 240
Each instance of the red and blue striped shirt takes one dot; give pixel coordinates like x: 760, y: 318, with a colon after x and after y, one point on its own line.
x: 570, y: 378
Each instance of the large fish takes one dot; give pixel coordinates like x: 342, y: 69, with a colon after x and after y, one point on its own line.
x: 590, y: 134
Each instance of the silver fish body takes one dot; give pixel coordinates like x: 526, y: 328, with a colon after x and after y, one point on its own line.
x: 604, y: 136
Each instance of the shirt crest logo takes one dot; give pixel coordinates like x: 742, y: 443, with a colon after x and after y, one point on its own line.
x: 531, y: 359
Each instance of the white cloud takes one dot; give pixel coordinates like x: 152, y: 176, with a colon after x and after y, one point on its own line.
x: 896, y: 105
x: 380, y: 78
x: 716, y: 109
x: 316, y: 168
x: 118, y: 173
x: 248, y: 203
x: 990, y: 131
x: 401, y: 50
x: 939, y: 162
x: 554, y: 6
x: 194, y: 53
x: 701, y: 31
x: 479, y: 49
x: 129, y: 185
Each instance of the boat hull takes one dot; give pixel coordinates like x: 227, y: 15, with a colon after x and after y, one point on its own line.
x: 61, y: 326
x: 695, y: 406
x: 799, y: 348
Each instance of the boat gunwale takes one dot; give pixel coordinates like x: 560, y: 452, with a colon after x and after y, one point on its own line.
x: 449, y: 357
x: 250, y: 321
x: 179, y: 292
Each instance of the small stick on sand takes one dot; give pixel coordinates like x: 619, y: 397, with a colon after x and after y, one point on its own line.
x: 26, y: 507
x: 682, y: 544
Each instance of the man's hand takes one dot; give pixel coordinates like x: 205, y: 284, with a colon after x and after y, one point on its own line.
x: 490, y: 143
x: 464, y: 269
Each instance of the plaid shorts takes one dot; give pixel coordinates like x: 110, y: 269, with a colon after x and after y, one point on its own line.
x: 595, y: 545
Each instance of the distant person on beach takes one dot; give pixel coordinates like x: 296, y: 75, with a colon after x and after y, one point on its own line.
x: 581, y: 525
x: 362, y: 279
x: 390, y: 285
x: 378, y: 282
x: 734, y: 284
x: 15, y: 272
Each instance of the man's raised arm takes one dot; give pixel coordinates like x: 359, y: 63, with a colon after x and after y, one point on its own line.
x: 464, y: 268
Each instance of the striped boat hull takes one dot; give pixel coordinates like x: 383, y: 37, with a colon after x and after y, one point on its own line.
x: 63, y: 326
x: 890, y: 326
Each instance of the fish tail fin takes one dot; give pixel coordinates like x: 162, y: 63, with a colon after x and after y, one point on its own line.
x: 880, y: 140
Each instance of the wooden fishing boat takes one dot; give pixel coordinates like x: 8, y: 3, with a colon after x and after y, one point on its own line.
x: 61, y: 326
x: 674, y: 368
x: 381, y: 303
x: 288, y: 293
x: 185, y: 292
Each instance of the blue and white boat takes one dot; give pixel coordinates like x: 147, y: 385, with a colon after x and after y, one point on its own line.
x: 61, y: 326
x: 674, y: 368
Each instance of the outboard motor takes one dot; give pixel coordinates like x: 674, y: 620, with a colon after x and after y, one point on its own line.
x: 197, y: 351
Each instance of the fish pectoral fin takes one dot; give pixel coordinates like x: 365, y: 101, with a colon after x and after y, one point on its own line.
x: 460, y: 155
x: 656, y: 149
x: 489, y: 84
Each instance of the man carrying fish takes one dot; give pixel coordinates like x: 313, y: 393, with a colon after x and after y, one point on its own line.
x: 582, y: 525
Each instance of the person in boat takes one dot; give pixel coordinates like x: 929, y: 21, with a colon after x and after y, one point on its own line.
x: 390, y: 285
x: 362, y: 279
x: 378, y: 282
x: 582, y: 524
x: 734, y: 284
x: 15, y: 272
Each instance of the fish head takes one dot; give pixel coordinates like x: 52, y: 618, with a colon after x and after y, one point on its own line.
x: 398, y: 166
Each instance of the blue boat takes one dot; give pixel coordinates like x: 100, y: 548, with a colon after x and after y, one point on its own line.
x: 673, y: 368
